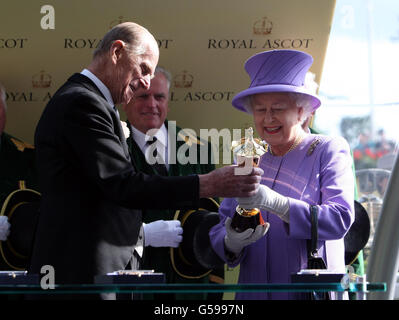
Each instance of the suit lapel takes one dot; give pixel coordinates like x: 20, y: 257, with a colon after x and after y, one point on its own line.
x: 120, y: 133
x: 90, y: 85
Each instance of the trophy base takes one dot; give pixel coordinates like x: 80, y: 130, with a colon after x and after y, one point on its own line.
x: 244, y: 219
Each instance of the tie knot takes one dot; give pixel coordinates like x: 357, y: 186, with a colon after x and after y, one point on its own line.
x: 151, y: 142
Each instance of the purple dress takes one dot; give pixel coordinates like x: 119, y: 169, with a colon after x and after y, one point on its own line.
x: 317, y: 172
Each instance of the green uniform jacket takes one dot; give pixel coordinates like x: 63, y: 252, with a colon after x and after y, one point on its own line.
x: 159, y: 258
x: 17, y: 170
x: 17, y: 163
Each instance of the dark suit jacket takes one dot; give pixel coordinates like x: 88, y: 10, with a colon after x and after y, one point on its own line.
x: 88, y: 224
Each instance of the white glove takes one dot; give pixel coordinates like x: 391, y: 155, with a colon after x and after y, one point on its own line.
x: 163, y: 233
x: 236, y: 241
x: 4, y: 228
x: 269, y: 200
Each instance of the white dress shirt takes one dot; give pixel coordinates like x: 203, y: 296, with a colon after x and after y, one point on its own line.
x: 162, y: 142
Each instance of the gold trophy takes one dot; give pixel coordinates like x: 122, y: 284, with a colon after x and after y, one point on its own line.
x: 247, y: 152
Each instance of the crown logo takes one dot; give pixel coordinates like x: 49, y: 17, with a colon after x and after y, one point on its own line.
x: 115, y: 22
x: 41, y: 80
x: 263, y: 26
x: 183, y: 80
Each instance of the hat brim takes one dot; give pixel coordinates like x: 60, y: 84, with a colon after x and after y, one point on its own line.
x: 194, y: 258
x: 240, y: 99
x: 22, y: 209
x: 202, y: 248
x: 358, y: 235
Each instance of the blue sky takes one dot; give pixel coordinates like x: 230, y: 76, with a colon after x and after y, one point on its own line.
x: 361, y: 67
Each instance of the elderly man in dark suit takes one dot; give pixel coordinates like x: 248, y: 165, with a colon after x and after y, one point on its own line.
x: 90, y: 222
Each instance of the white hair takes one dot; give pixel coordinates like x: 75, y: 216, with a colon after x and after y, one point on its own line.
x: 301, y: 101
x: 166, y: 74
x: 3, y: 95
x: 247, y: 103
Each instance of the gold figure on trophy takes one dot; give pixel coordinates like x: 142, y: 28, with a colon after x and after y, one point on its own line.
x: 247, y: 151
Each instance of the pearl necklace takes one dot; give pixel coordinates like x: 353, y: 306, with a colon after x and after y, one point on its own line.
x: 297, y: 141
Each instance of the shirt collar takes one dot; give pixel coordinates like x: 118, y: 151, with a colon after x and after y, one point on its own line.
x: 141, y: 138
x: 100, y: 85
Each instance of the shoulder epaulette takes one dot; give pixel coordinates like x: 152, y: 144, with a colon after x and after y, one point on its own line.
x: 189, y: 138
x: 21, y: 145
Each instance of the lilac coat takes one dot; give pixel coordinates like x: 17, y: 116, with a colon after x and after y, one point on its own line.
x: 324, y: 178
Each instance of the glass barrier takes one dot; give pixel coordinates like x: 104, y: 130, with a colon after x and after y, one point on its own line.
x: 190, y: 288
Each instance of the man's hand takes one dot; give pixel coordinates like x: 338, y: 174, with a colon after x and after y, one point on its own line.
x: 225, y: 183
x: 4, y: 228
x: 163, y: 233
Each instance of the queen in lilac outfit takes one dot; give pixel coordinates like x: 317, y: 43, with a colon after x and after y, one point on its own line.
x: 300, y: 169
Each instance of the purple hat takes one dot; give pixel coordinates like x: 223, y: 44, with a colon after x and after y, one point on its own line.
x: 277, y: 71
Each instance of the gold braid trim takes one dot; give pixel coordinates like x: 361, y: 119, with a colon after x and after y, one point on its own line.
x: 179, y: 249
x: 22, y: 145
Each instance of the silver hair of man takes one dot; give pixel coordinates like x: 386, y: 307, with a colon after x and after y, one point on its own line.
x: 165, y: 73
x: 130, y: 33
x: 3, y: 95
